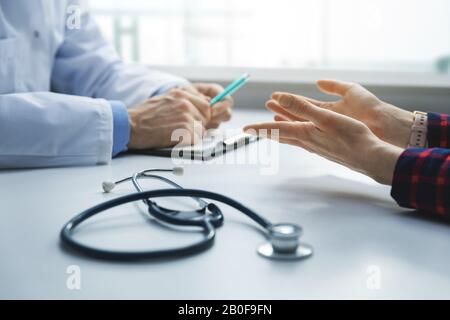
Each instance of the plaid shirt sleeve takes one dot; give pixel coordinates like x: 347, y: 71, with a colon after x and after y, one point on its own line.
x: 422, y: 180
x: 438, y: 130
x: 422, y: 176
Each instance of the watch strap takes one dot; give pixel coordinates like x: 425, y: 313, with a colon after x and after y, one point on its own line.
x: 419, y: 130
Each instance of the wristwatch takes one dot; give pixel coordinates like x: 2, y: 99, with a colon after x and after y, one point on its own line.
x: 419, y: 130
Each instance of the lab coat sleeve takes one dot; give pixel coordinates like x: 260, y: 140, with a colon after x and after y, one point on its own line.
x: 46, y: 129
x: 87, y: 65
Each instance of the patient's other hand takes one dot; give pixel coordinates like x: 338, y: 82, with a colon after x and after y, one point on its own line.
x: 386, y: 121
x: 331, y: 135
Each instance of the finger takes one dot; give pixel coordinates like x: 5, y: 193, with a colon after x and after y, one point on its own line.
x: 200, y: 103
x: 289, y: 130
x: 194, y: 91
x: 209, y: 89
x: 221, y: 116
x: 222, y: 110
x: 301, y: 108
x: 213, y: 125
x: 279, y: 118
x: 257, y: 128
x: 334, y: 87
x: 279, y: 110
x: 314, y: 101
x: 212, y: 90
x: 190, y: 111
x: 329, y: 105
x: 222, y: 105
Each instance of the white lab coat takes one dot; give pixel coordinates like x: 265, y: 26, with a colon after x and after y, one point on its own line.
x: 55, y: 83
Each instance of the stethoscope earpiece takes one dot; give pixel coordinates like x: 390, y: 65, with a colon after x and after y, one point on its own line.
x: 108, y: 186
x: 284, y: 244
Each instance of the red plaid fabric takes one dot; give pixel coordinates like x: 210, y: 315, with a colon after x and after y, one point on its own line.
x: 438, y: 130
x: 422, y: 176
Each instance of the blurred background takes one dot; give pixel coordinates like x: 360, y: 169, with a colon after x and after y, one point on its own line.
x: 384, y: 44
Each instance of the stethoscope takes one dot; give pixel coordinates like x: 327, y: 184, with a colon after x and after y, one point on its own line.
x: 283, y: 239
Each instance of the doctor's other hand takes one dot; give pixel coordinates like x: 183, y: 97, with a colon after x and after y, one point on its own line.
x: 154, y: 121
x: 387, y: 121
x: 331, y: 135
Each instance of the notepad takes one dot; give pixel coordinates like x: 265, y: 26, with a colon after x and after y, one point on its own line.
x: 214, y: 144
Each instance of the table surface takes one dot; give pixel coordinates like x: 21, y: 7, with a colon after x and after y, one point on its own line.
x: 365, y: 245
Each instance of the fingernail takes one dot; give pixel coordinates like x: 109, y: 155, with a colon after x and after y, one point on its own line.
x: 285, y: 100
x: 276, y: 95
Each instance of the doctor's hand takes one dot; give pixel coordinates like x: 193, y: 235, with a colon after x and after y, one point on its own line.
x: 154, y: 121
x: 388, y: 122
x: 221, y: 111
x: 329, y: 134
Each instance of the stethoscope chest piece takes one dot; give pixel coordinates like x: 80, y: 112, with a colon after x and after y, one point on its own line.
x: 284, y: 244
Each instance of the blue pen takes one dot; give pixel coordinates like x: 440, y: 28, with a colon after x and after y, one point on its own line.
x: 232, y: 88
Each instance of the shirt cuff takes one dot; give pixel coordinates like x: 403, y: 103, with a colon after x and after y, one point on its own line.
x: 421, y: 180
x: 438, y: 130
x: 168, y: 87
x: 121, y: 127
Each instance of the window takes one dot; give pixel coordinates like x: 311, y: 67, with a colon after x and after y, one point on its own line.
x: 400, y: 35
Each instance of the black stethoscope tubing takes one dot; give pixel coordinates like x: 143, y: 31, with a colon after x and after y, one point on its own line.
x: 206, y: 223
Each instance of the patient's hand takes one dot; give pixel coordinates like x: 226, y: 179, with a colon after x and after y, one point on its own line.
x: 388, y: 122
x: 332, y: 135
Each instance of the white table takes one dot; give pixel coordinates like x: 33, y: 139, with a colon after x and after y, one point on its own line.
x: 357, y: 230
